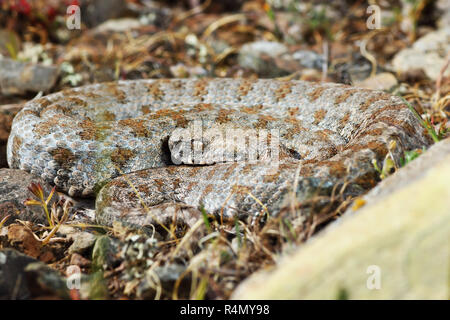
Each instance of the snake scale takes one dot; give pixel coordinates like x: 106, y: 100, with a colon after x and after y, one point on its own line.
x: 114, y: 141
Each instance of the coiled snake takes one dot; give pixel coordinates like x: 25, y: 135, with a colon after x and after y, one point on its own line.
x: 81, y: 139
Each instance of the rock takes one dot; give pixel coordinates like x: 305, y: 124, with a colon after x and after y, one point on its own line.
x: 309, y: 59
x: 104, y: 253
x: 22, y: 277
x: 78, y: 260
x: 18, y: 235
x: 14, y: 191
x: 182, y: 71
x: 82, y: 241
x: 44, y: 281
x: 19, y: 77
x: 165, y: 277
x: 118, y: 25
x: 382, y: 81
x: 94, y: 287
x: 444, y: 7
x: 12, y: 282
x: 356, y: 70
x: 400, y: 236
x: 7, y: 113
x: 428, y: 53
x: 95, y: 12
x: 260, y: 57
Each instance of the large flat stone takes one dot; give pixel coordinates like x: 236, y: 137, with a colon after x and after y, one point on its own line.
x: 19, y: 77
x: 404, y: 230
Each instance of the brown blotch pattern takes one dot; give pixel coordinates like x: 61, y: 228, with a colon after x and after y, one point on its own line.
x: 76, y: 102
x: 145, y: 109
x: 222, y: 117
x: 43, y: 102
x: 319, y: 115
x: 136, y: 126
x: 155, y: 91
x: 366, y: 104
x: 120, y: 156
x: 283, y: 90
x: 88, y: 131
x: 93, y: 130
x: 200, y: 88
x: 263, y: 120
x: 176, y: 115
x: 347, y: 93
x: 17, y: 143
x: 46, y: 127
x: 293, y: 112
x: 64, y: 157
x: 344, y: 120
x: 229, y: 171
x: 244, y: 88
x: 252, y: 109
x: 204, y: 107
x: 55, y: 107
x: 316, y: 93
x: 108, y: 116
x: 208, y: 189
x: 296, y: 128
x: 159, y: 184
x: 116, y: 92
x: 211, y: 173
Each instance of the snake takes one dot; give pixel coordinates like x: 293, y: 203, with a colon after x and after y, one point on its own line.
x: 125, y: 143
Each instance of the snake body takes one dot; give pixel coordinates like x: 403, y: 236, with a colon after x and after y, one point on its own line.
x: 81, y: 139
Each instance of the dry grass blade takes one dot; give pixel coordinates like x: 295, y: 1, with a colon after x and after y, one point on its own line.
x: 63, y: 220
x: 439, y: 79
x: 187, y: 236
x: 193, y: 11
x: 221, y: 22
x: 3, y: 221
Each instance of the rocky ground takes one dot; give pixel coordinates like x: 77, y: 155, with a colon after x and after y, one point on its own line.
x: 50, y: 244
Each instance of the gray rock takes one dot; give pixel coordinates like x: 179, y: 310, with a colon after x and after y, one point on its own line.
x: 260, y: 57
x: 399, y: 236
x: 12, y: 282
x: 444, y: 7
x: 118, y: 25
x: 428, y: 53
x: 44, y: 281
x: 19, y: 77
x: 22, y: 277
x: 105, y: 252
x: 94, y: 12
x: 14, y: 191
x: 382, y: 81
x: 309, y: 59
x: 82, y: 241
x: 164, y: 276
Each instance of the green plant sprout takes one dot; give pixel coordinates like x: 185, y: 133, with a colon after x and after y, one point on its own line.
x: 425, y: 123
